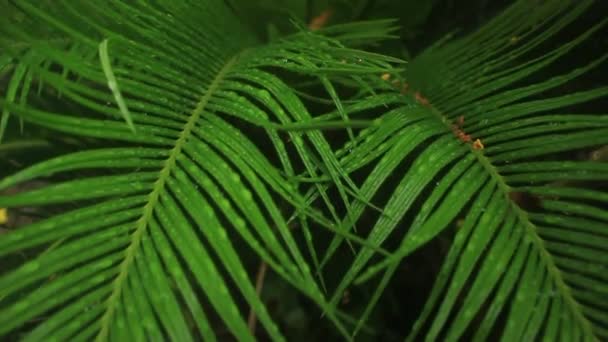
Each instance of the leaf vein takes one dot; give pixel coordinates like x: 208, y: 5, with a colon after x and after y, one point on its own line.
x: 148, y: 210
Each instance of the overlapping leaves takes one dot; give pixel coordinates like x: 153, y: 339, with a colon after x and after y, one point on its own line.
x: 157, y: 215
x: 538, y: 268
x: 157, y: 223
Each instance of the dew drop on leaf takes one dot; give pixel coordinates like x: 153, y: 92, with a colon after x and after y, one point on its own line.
x: 224, y: 204
x: 247, y: 194
x: 223, y: 234
x: 20, y: 306
x: 176, y: 272
x: 264, y: 94
x: 235, y: 178
x: 31, y: 266
x: 240, y: 223
x: 223, y: 290
x: 98, y: 279
x: 104, y: 264
x: 148, y: 323
x: 206, y: 182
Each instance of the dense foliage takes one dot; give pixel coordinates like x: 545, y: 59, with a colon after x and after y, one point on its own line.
x: 193, y: 170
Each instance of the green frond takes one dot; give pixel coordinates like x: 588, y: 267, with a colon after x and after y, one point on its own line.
x: 472, y: 77
x: 183, y: 181
x: 198, y: 149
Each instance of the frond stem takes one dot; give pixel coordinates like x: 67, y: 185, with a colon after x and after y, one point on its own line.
x: 545, y: 256
x: 153, y: 197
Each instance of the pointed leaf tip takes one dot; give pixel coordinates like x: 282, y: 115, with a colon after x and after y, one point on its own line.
x: 113, y: 84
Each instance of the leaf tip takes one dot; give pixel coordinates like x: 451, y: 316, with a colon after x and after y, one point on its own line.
x: 106, y: 66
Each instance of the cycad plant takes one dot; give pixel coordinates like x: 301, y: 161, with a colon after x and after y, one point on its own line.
x: 173, y: 165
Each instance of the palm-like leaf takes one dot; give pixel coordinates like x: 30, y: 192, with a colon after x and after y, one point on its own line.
x: 549, y: 260
x: 183, y: 97
x: 159, y: 213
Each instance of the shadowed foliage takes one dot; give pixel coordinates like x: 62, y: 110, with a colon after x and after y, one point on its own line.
x: 179, y: 148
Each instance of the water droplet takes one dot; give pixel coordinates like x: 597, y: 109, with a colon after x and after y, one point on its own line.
x: 31, y: 266
x: 247, y: 194
x: 98, y: 279
x: 223, y: 289
x: 104, y: 264
x: 20, y: 306
x: 223, y: 234
x: 264, y: 94
x: 239, y: 223
x: 224, y: 204
x: 148, y: 323
x: 206, y: 182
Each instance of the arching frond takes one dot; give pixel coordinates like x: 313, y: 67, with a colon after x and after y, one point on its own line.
x: 197, y: 150
x: 163, y: 213
x: 468, y: 147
